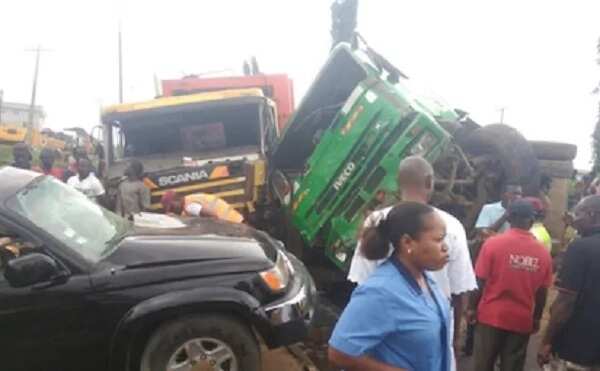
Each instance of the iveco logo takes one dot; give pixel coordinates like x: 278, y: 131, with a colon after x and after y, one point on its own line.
x: 343, y: 178
x: 170, y: 180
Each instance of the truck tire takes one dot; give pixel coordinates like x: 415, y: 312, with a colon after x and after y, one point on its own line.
x: 202, y: 340
x: 557, y: 169
x: 554, y: 151
x: 518, y: 161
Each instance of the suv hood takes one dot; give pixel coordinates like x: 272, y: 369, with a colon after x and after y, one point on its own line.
x: 200, y: 240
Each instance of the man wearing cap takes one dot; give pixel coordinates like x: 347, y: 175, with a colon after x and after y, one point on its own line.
x: 514, y: 272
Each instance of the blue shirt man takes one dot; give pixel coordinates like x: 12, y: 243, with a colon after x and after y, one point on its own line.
x: 395, y: 322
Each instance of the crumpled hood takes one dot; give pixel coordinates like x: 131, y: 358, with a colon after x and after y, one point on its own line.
x: 201, y: 240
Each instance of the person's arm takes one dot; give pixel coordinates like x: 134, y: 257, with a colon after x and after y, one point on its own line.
x: 460, y: 303
x: 540, y: 303
x: 483, y: 270
x: 570, y: 282
x: 461, y: 276
x: 342, y: 361
x: 495, y: 227
x: 119, y: 202
x: 370, y: 317
x: 560, y: 313
x: 474, y: 299
x: 97, y: 190
x: 144, y: 198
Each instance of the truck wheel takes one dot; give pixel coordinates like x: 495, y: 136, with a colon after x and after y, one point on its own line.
x: 210, y: 342
x: 511, y: 149
x: 554, y: 151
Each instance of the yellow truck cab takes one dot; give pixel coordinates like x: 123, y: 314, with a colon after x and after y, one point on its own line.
x: 214, y: 142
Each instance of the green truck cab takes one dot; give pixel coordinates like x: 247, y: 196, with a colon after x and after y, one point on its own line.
x: 337, y: 160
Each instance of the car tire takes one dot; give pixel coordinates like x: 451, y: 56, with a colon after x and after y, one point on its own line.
x: 514, y: 152
x: 202, y: 335
x: 554, y: 151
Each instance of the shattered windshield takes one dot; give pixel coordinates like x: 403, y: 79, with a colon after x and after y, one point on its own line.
x: 69, y: 216
x: 193, y: 131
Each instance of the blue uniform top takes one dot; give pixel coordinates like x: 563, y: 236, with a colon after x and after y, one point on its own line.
x: 392, y: 320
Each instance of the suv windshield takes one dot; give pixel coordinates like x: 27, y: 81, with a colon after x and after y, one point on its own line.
x: 69, y: 216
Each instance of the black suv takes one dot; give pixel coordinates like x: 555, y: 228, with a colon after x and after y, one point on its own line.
x: 82, y: 288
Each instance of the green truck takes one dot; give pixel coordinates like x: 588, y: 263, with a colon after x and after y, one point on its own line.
x: 338, y: 158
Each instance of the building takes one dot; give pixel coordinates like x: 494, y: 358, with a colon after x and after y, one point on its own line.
x: 17, y: 114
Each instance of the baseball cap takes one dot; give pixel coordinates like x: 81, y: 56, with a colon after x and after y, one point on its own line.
x: 522, y: 208
x: 537, y: 204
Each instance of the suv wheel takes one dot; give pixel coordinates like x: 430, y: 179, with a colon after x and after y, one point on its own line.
x: 209, y: 342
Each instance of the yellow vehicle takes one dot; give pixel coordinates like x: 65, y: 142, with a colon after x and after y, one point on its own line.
x: 10, y: 134
x: 215, y: 142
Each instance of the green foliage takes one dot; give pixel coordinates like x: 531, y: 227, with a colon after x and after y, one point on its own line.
x: 5, y: 154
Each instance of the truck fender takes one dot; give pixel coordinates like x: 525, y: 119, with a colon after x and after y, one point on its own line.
x: 160, y: 308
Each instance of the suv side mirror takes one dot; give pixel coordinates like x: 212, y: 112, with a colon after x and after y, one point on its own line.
x: 30, y: 269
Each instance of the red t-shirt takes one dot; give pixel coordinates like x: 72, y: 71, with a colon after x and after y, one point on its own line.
x: 514, y: 266
x: 56, y: 172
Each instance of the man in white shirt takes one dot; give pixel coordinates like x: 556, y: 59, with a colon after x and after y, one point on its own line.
x: 85, y: 181
x: 493, y: 217
x: 456, y: 279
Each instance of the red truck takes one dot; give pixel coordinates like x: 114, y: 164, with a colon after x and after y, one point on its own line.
x: 278, y: 87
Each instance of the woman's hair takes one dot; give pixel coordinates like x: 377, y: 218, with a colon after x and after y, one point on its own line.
x: 404, y: 219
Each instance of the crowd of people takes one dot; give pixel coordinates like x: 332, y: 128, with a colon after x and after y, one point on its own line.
x: 418, y: 280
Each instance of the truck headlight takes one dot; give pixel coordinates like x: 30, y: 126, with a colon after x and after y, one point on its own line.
x: 278, y: 277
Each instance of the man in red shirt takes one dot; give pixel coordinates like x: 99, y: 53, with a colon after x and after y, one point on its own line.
x: 514, y: 272
x: 47, y: 158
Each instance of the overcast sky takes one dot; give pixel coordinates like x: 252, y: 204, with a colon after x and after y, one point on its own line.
x: 536, y: 58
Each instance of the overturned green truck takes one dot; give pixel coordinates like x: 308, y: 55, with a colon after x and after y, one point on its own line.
x: 338, y: 158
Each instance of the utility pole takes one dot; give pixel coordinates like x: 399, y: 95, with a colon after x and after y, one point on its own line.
x: 120, y: 66
x: 37, y: 51
x: 502, y: 109
x: 344, y: 14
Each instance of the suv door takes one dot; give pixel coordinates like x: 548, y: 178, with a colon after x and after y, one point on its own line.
x: 47, y: 326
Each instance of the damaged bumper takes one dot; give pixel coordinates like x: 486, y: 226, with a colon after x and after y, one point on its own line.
x: 289, y: 317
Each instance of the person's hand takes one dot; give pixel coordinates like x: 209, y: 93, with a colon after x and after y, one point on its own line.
x: 544, y: 355
x: 487, y: 233
x: 471, y: 316
x: 456, y: 345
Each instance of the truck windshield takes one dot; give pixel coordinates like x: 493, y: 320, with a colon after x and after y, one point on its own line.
x: 69, y: 216
x: 191, y: 131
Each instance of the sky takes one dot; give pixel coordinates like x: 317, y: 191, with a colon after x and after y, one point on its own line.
x: 536, y: 59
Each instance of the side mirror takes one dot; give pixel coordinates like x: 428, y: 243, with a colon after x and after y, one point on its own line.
x: 282, y: 187
x: 30, y: 269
